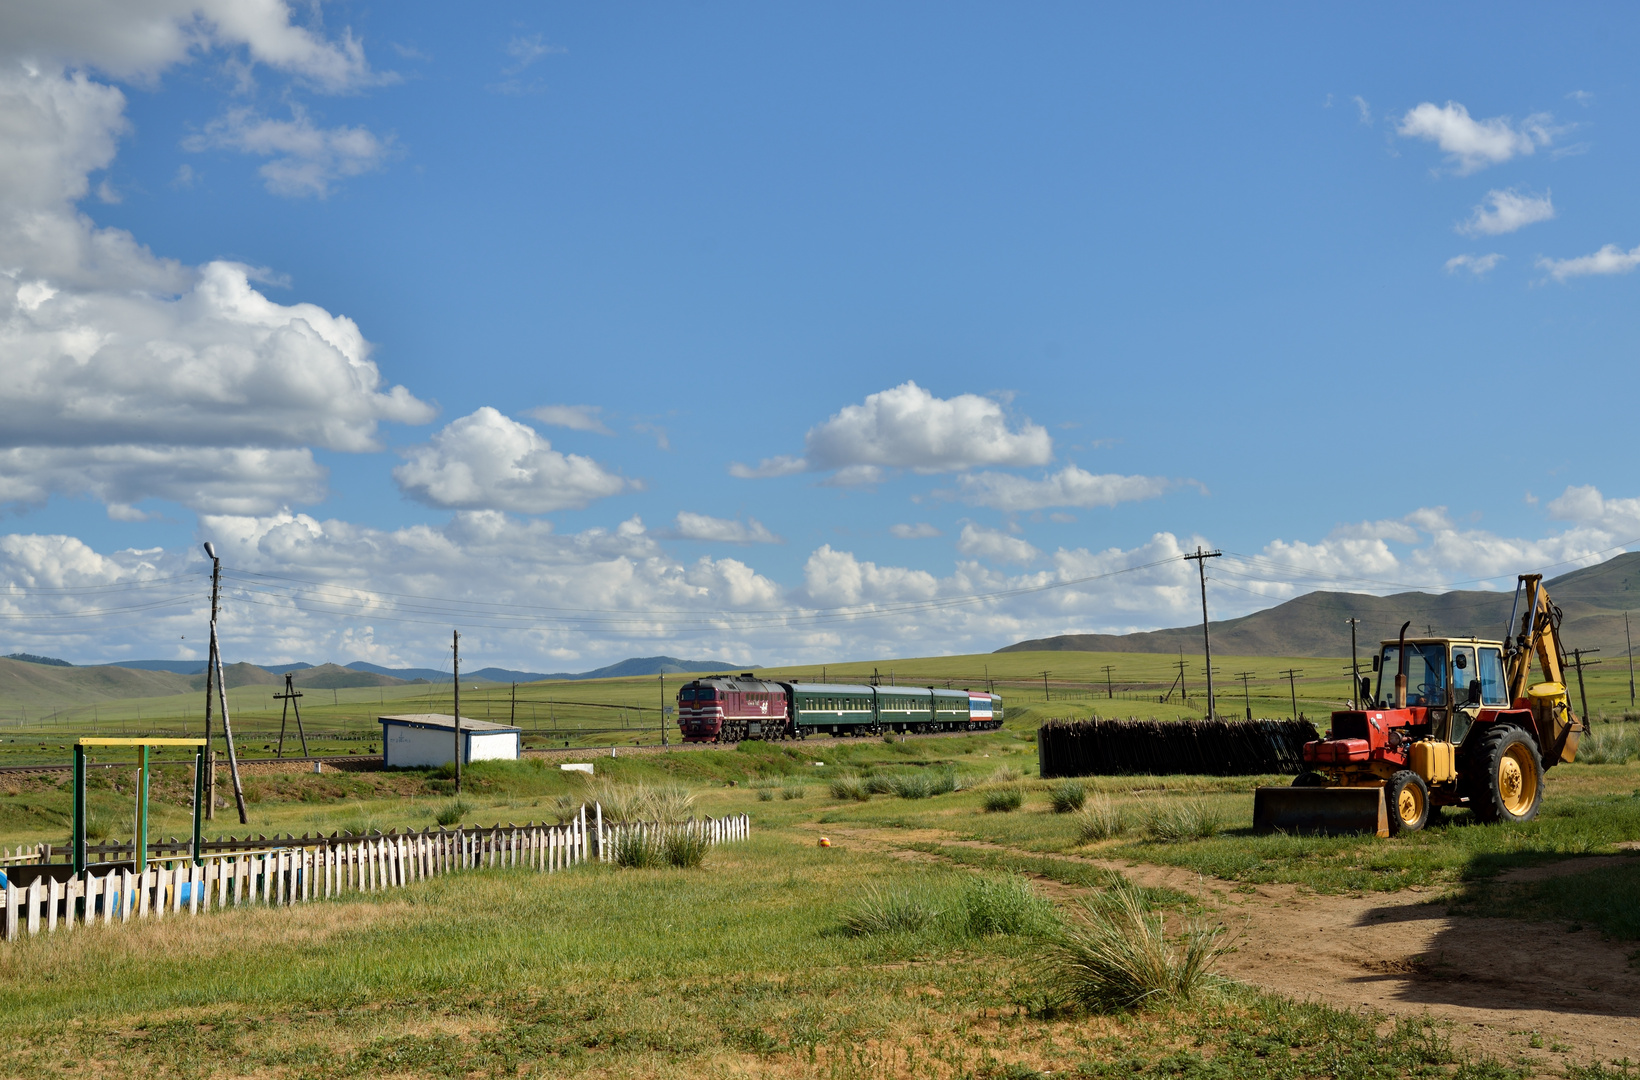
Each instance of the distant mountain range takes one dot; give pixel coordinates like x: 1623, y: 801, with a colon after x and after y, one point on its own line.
x: 323, y: 676
x: 1316, y: 624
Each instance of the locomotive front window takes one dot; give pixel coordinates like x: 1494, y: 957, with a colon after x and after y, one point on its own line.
x: 687, y: 694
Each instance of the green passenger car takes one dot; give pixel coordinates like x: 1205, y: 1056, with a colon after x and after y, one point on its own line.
x: 905, y: 708
x: 833, y: 708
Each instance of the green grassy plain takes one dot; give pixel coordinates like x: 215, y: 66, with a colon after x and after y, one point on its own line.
x: 743, y: 967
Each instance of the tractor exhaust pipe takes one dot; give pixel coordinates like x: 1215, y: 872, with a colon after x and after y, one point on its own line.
x: 1401, y: 669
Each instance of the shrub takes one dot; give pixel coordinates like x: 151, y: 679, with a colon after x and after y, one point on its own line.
x: 1067, y: 796
x: 636, y: 849
x: 1004, y: 800
x: 640, y: 802
x: 882, y: 912
x: 450, y: 813
x: 765, y: 795
x: 792, y: 791
x: 1178, y: 821
x: 1101, y: 819
x: 99, y: 824
x: 1117, y: 956
x: 912, y: 786
x: 850, y: 787
x: 1608, y: 745
x: 684, y: 848
x: 1005, y: 905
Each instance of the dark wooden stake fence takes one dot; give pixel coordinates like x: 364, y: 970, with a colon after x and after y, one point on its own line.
x: 1158, y: 748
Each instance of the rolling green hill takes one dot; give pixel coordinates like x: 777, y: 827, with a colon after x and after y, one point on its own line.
x: 1316, y: 624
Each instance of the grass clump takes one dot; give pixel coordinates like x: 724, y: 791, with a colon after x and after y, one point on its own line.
x: 1100, y: 819
x: 850, y: 787
x: 99, y: 824
x: 1609, y: 745
x: 1004, y: 774
x: 637, y: 849
x: 890, y: 912
x: 451, y: 812
x: 1173, y: 822
x: 1004, y: 905
x: 1004, y: 800
x: 793, y: 791
x: 1117, y: 956
x: 641, y: 802
x: 684, y: 848
x: 1067, y: 796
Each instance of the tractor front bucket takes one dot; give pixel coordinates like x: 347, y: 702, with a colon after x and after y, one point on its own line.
x: 1328, y: 810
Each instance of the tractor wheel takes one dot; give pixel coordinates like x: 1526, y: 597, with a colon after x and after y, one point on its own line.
x: 1406, y: 797
x: 1507, y: 780
x: 1309, y: 779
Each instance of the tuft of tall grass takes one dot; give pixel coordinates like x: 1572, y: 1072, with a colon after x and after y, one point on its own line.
x: 880, y: 784
x: 1067, y: 796
x: 890, y: 912
x: 638, y: 850
x: 1100, y: 819
x: 99, y: 824
x: 850, y: 787
x: 1172, y: 822
x: 452, y: 812
x: 683, y: 848
x: 1609, y: 745
x: 1117, y: 956
x: 1004, y: 800
x: 793, y: 791
x: 765, y: 795
x: 641, y: 802
x: 1004, y: 905
x: 1004, y: 774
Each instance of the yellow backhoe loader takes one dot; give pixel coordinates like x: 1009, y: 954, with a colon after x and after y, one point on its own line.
x: 1451, y: 722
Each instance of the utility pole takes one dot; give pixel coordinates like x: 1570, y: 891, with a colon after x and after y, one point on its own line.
x: 663, y: 710
x: 1246, y: 694
x: 1583, y: 696
x: 1201, y: 558
x: 215, y: 663
x: 1110, y: 691
x: 455, y: 670
x: 289, y: 698
x: 1184, y: 695
x: 1355, y: 666
x: 512, y: 710
x: 1630, y: 642
x: 1292, y: 685
x: 1045, y: 685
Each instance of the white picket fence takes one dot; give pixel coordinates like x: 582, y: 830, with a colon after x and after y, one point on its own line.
x: 296, y: 874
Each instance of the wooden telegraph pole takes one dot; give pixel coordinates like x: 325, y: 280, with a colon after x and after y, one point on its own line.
x: 289, y: 698
x: 663, y: 710
x: 1201, y: 558
x: 455, y: 669
x: 215, y: 664
x: 1292, y: 686
x: 1355, y: 667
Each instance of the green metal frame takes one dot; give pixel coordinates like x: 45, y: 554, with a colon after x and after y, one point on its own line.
x: 140, y: 841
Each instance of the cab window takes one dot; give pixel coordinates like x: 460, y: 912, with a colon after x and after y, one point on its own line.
x: 1425, y: 671
x: 1493, y: 692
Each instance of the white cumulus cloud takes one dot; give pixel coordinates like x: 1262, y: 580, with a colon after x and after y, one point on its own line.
x: 306, y: 159
x: 692, y: 526
x: 573, y: 417
x: 127, y: 373
x: 489, y: 461
x: 139, y: 39
x: 1475, y: 264
x: 995, y: 546
x: 1472, y: 144
x: 1506, y: 211
x: 907, y: 427
x: 1610, y: 259
x: 1069, y: 486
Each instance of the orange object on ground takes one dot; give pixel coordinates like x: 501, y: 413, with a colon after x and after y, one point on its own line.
x: 825, y: 841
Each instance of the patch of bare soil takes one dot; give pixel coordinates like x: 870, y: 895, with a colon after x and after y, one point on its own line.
x: 1503, y: 983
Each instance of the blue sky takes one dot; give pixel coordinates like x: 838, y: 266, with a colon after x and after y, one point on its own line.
x: 904, y: 309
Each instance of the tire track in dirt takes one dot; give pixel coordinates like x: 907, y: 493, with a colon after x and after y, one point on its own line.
x: 1498, y: 980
